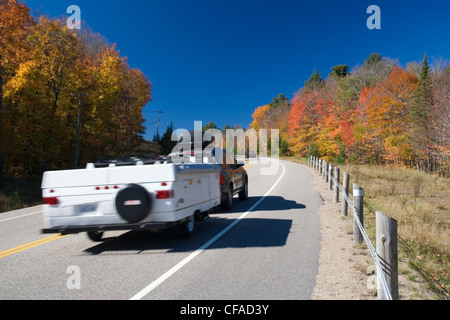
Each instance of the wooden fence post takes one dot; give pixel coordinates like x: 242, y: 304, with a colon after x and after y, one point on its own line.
x: 345, y: 183
x: 358, y: 199
x: 320, y: 166
x: 337, y: 173
x: 330, y: 172
x: 325, y: 172
x: 387, y: 251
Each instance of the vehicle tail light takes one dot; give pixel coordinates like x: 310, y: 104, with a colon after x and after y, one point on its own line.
x: 221, y: 179
x: 164, y: 194
x: 51, y: 201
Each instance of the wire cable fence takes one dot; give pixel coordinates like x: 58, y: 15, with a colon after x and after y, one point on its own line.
x: 381, y: 276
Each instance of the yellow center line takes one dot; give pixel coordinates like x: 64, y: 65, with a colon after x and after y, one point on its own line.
x: 30, y: 245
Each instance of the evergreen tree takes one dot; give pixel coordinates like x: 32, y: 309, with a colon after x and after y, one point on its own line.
x: 421, y: 108
x: 373, y: 59
x: 280, y: 100
x: 314, y: 82
x: 166, y: 140
x: 423, y: 97
x: 340, y: 70
x: 209, y: 125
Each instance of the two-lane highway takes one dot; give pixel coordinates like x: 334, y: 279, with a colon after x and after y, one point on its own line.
x: 267, y: 247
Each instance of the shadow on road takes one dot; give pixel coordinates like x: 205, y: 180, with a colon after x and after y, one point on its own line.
x: 249, y: 232
x: 270, y: 203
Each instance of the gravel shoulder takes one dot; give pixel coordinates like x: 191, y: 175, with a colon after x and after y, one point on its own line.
x: 346, y: 272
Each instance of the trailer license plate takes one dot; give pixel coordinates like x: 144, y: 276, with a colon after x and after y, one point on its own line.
x: 87, y: 209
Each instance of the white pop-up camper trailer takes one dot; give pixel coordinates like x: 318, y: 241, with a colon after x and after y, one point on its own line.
x: 138, y: 196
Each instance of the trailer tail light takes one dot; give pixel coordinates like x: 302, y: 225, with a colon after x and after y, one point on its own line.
x: 221, y: 179
x: 53, y: 201
x: 164, y: 194
x: 106, y: 187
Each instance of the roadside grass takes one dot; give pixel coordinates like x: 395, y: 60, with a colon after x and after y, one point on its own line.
x: 420, y: 203
x: 18, y: 193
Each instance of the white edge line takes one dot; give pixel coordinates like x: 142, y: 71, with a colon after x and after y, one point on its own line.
x: 24, y: 215
x: 186, y: 260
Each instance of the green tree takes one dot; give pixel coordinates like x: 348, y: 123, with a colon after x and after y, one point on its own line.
x: 340, y: 70
x: 423, y: 98
x: 280, y: 100
x: 166, y: 140
x: 422, y: 104
x: 209, y: 125
x: 314, y: 82
x: 373, y: 58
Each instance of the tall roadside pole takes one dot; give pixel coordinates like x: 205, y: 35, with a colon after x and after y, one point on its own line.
x: 159, y: 120
x: 77, y: 152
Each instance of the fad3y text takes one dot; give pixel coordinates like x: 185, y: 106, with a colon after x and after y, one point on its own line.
x: 231, y: 309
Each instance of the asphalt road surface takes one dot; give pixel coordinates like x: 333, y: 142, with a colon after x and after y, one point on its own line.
x: 267, y: 247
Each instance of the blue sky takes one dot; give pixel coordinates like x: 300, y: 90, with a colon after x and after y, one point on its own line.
x: 217, y: 60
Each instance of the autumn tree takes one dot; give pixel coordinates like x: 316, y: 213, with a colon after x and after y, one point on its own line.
x: 377, y: 113
x: 303, y: 121
x: 41, y: 93
x: 373, y: 70
x: 46, y: 69
x: 274, y: 116
x: 260, y: 117
x: 387, y: 110
x: 15, y: 22
x: 302, y: 118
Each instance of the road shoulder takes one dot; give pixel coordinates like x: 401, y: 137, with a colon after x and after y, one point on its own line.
x: 345, y: 271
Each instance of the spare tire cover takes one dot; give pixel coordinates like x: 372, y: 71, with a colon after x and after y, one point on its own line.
x: 133, y: 203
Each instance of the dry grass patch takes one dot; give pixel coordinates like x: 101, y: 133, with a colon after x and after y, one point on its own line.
x: 420, y: 204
